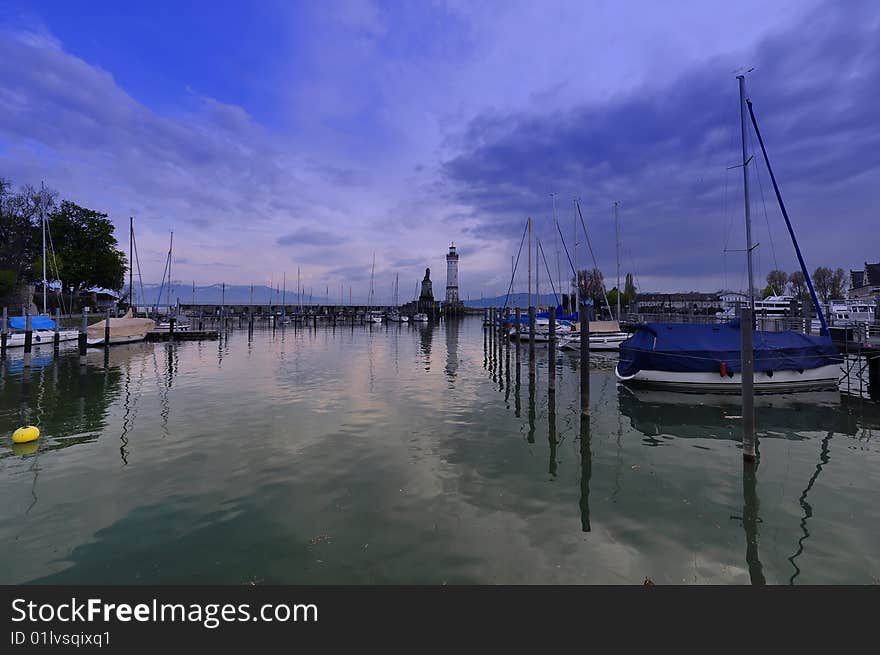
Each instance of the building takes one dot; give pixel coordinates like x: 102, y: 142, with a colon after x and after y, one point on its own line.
x: 453, y: 304
x: 865, y: 284
x: 692, y: 302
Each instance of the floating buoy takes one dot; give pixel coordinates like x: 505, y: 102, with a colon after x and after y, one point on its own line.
x: 26, y: 434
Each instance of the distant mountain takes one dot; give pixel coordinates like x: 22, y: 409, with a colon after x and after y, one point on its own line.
x: 515, y: 300
x: 214, y: 294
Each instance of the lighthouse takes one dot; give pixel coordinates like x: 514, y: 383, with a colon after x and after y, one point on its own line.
x: 452, y: 277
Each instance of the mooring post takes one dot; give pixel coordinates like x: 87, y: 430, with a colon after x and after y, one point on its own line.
x: 551, y: 364
x: 518, y: 318
x: 107, y: 328
x: 56, y: 338
x: 28, y: 340
x: 171, y: 322
x: 3, y: 334
x: 748, y: 384
x: 531, y: 331
x: 83, y: 335
x: 584, y: 318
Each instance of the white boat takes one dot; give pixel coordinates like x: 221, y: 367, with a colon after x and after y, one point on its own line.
x: 43, y: 336
x: 126, y: 329
x: 769, y: 307
x: 604, y: 335
x: 420, y: 318
x: 165, y: 326
x: 780, y: 381
x: 394, y: 317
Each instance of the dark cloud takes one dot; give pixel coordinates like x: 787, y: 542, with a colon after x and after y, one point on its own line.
x: 664, y: 152
x: 310, y: 237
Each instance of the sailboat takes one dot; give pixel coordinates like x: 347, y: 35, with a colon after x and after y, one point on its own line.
x: 695, y: 357
x: 126, y: 329
x: 374, y: 316
x: 395, y: 316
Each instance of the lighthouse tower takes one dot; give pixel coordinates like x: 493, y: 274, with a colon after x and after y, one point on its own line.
x: 452, y: 277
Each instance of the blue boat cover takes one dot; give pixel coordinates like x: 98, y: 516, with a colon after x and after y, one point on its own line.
x: 685, y: 347
x: 37, y: 323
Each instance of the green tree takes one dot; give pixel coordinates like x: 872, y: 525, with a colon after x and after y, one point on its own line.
x: 798, y: 285
x: 839, y: 284
x: 84, y: 241
x: 629, y: 290
x: 18, y: 218
x: 822, y: 283
x: 777, y: 281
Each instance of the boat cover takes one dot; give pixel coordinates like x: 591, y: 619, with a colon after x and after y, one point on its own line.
x: 37, y: 323
x: 686, y: 347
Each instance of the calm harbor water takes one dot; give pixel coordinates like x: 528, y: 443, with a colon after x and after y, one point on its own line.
x: 410, y: 454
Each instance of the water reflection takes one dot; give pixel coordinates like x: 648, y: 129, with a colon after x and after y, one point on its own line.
x: 452, y: 329
x: 426, y: 334
x: 824, y: 458
x: 586, y: 472
x: 751, y: 520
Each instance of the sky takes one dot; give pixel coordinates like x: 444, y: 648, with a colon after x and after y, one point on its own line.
x: 279, y: 136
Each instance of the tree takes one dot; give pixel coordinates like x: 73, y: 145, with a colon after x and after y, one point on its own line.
x: 629, y: 290
x: 822, y: 281
x: 18, y: 218
x: 592, y: 286
x: 798, y: 285
x: 768, y: 291
x: 777, y: 281
x: 839, y: 283
x: 84, y: 241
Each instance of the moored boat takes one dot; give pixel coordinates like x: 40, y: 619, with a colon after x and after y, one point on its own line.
x: 126, y: 329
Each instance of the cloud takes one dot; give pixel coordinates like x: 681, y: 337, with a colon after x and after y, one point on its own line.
x: 310, y: 237
x: 664, y: 151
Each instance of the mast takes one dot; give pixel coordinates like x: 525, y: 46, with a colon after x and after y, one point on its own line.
x: 558, y: 268
x: 617, y: 245
x: 284, y: 291
x: 298, y: 291
x: 576, y: 293
x: 537, y: 275
x: 170, y: 259
x: 43, y: 225
x: 372, y: 271
x: 131, y: 263
x: 745, y: 167
x: 529, y: 223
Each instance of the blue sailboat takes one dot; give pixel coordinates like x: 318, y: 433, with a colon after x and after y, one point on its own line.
x: 698, y: 358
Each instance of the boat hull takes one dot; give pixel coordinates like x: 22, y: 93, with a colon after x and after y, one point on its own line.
x: 40, y: 338
x: 816, y: 379
x: 117, y: 339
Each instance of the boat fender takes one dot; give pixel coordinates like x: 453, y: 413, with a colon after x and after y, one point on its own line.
x: 26, y: 434
x: 723, y: 369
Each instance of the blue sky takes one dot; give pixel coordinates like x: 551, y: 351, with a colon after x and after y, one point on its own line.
x: 276, y: 135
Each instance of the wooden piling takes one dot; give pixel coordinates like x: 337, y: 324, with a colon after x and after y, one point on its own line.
x: 531, y: 331
x: 584, y: 318
x: 56, y: 338
x: 4, y: 335
x: 748, y: 381
x: 551, y: 363
x: 82, y: 339
x: 171, y: 322
x: 107, y: 329
x: 28, y: 340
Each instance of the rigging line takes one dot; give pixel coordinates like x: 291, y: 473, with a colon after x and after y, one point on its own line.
x: 55, y: 265
x: 573, y: 272
x: 516, y: 265
x: 824, y: 458
x: 547, y: 268
x: 593, y: 255
x: 767, y: 220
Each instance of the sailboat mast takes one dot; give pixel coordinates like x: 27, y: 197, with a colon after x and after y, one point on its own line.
x: 131, y: 264
x: 617, y: 248
x: 576, y: 294
x: 284, y: 290
x: 170, y: 259
x: 43, y: 224
x: 745, y: 167
x: 529, y: 223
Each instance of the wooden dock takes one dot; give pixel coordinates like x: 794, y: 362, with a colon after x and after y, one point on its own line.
x: 183, y: 335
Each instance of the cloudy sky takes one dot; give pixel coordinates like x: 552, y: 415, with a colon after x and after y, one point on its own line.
x: 276, y: 135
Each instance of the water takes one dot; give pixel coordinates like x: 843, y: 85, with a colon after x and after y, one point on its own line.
x: 409, y: 454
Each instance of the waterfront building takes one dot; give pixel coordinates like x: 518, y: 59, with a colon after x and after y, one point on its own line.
x: 865, y: 284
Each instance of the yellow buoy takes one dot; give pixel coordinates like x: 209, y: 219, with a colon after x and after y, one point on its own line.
x: 26, y: 434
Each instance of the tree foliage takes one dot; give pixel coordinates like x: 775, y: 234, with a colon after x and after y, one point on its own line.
x: 777, y: 281
x: 18, y: 214
x: 798, y: 285
x: 629, y: 289
x: 85, y: 243
x: 839, y: 283
x: 591, y: 285
x: 822, y: 282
